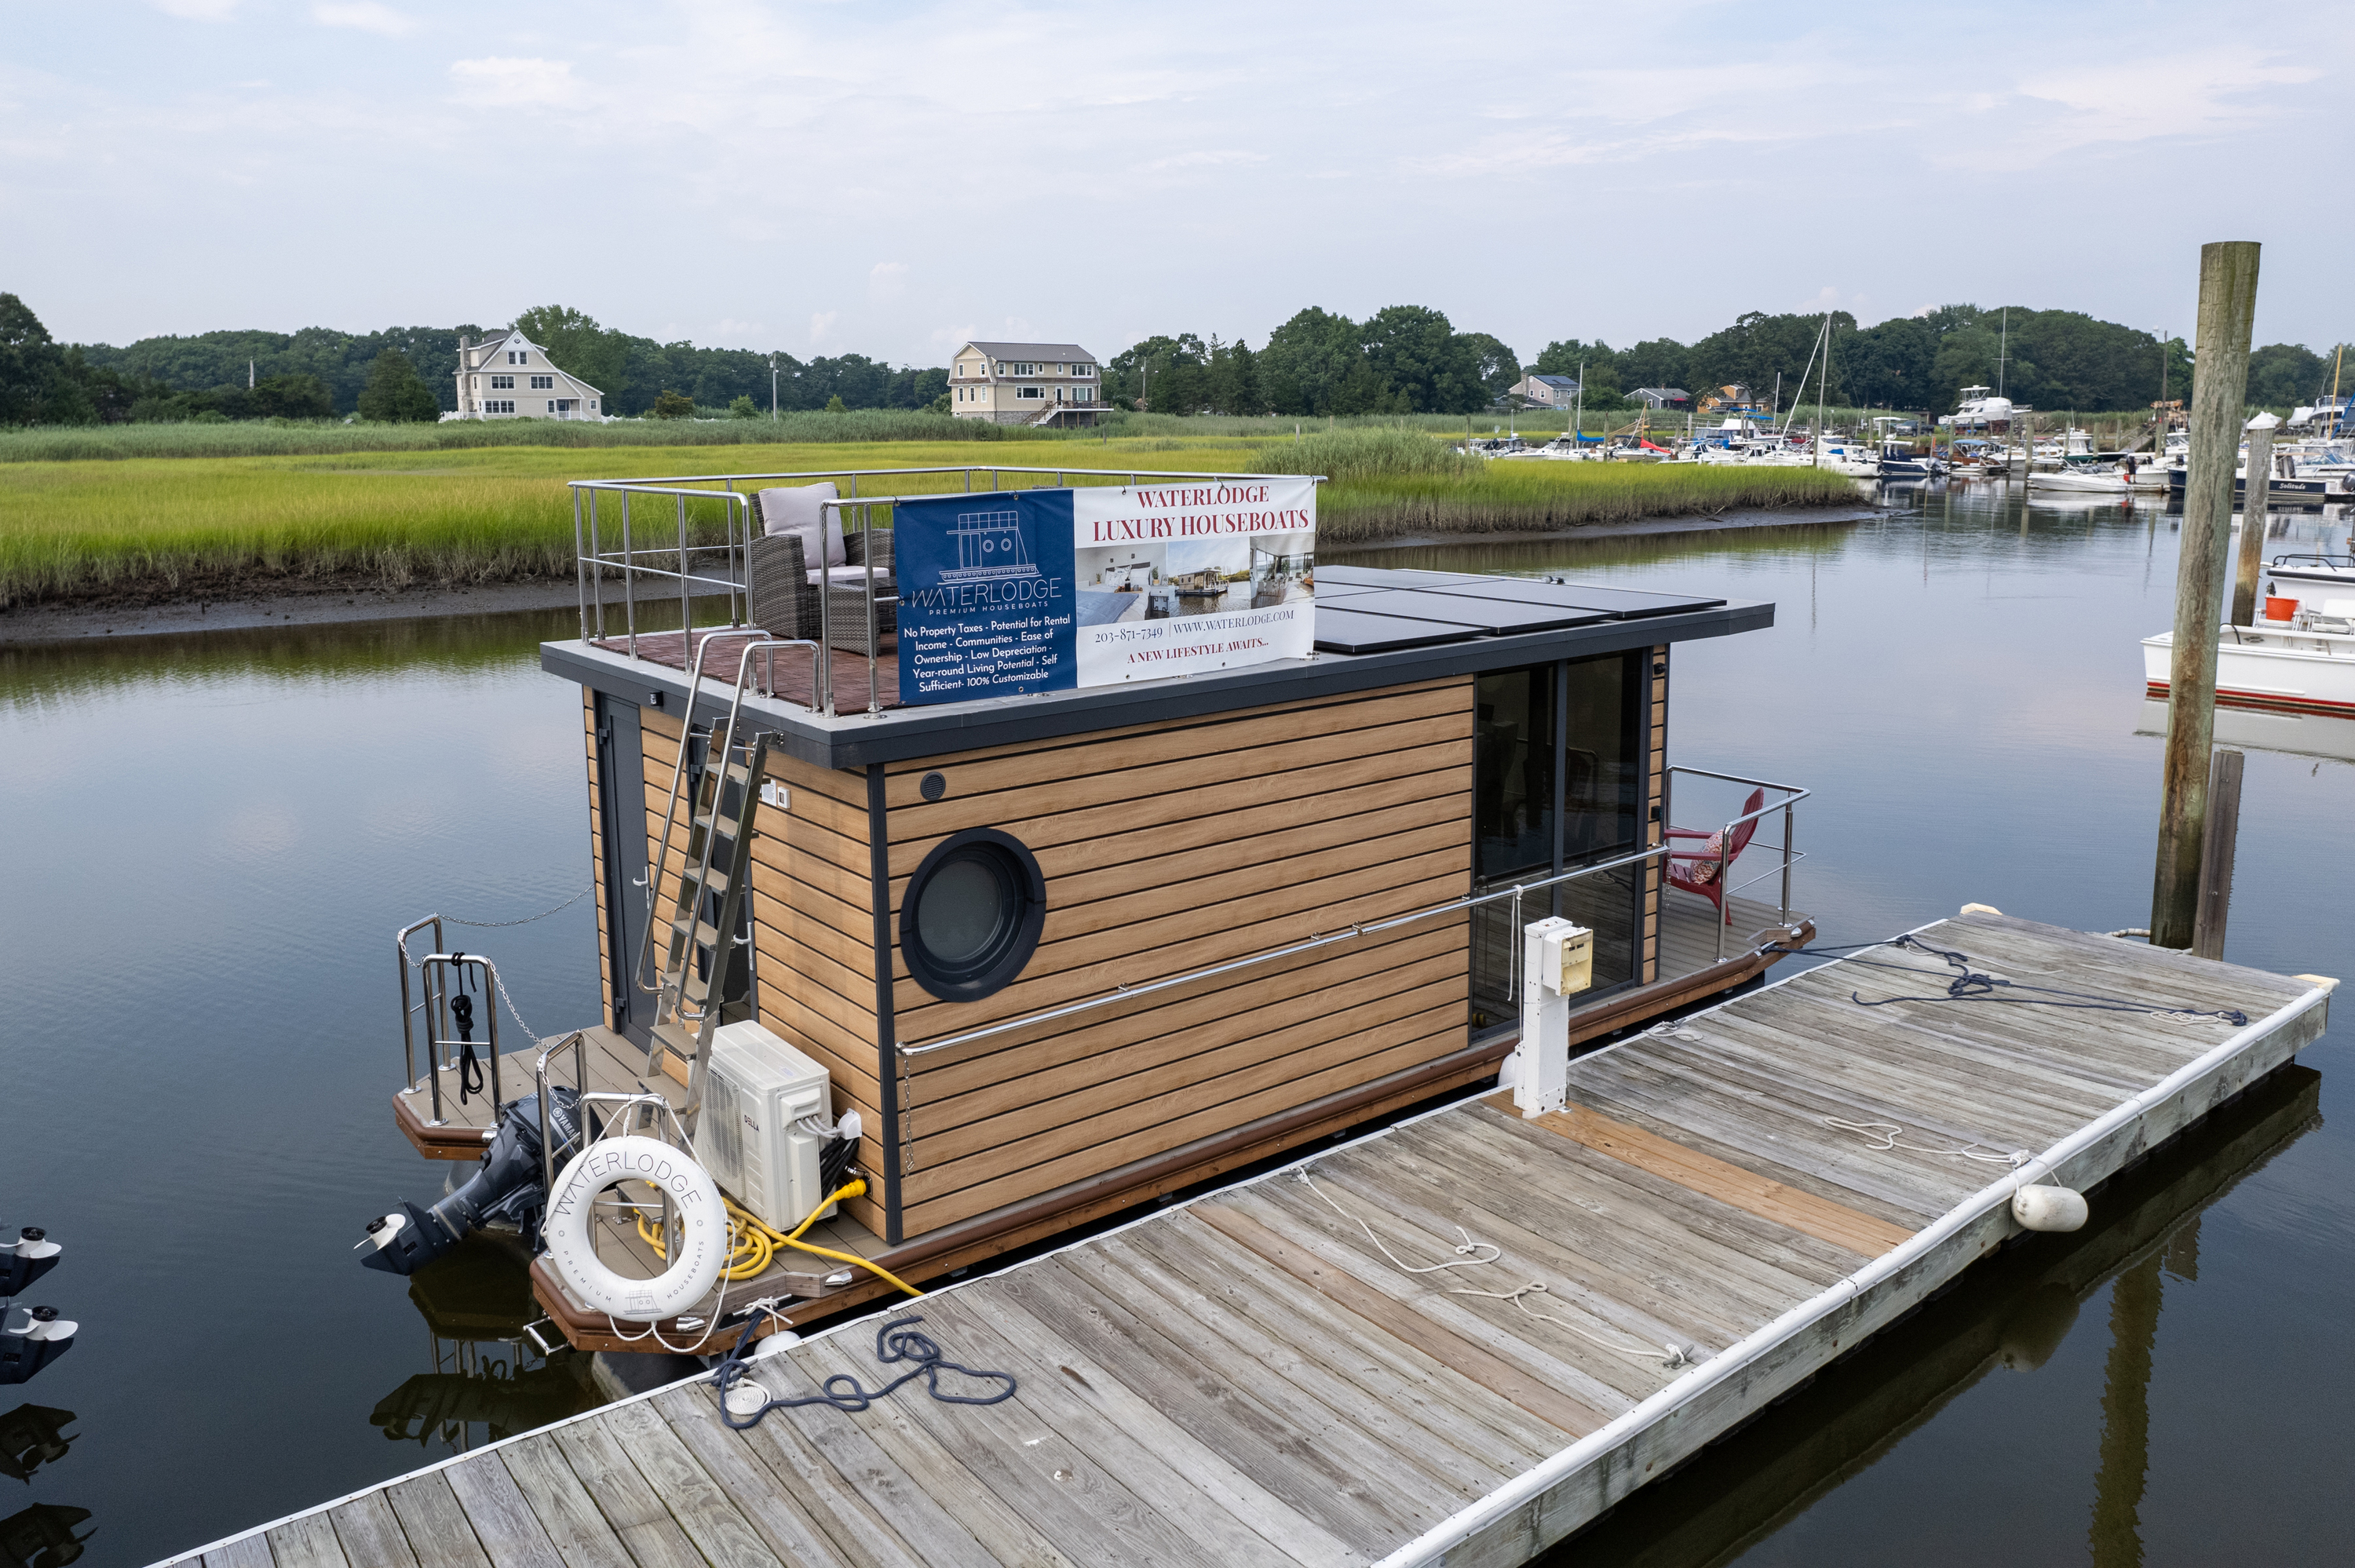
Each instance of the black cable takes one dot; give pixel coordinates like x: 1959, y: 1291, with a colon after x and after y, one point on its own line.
x: 461, y: 1012
x: 895, y: 1341
x: 1972, y: 986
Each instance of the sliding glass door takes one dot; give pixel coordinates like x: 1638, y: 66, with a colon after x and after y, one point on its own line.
x: 1557, y: 783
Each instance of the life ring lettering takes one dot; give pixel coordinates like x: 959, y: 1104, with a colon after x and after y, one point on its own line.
x: 699, y: 1242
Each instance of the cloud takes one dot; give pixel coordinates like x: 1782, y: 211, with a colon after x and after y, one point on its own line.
x: 2195, y: 93
x: 887, y: 280
x: 821, y: 327
x: 196, y: 10
x: 365, y: 16
x: 519, y: 83
x: 1203, y: 160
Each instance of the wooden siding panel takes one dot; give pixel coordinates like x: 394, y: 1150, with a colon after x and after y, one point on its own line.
x: 1169, y: 849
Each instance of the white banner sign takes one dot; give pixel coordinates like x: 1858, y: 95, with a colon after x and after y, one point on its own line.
x: 1186, y: 577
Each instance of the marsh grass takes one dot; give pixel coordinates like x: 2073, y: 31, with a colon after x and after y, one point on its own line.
x: 157, y: 527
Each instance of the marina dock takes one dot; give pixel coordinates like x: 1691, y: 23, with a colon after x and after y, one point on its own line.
x: 1281, y: 1370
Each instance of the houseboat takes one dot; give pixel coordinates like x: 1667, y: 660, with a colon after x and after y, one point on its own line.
x: 939, y: 915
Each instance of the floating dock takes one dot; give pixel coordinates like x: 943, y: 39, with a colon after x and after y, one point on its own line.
x: 1276, y: 1372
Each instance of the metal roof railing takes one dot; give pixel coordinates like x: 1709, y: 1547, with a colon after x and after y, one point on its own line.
x: 701, y: 565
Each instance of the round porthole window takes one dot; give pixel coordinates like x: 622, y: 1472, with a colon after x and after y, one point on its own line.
x: 972, y: 914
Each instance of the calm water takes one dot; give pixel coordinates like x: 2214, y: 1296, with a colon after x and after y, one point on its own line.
x: 210, y: 842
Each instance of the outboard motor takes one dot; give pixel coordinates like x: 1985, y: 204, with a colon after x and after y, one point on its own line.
x: 507, y: 1187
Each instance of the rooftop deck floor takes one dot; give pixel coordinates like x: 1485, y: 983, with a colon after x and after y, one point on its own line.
x: 1274, y: 1373
x: 794, y: 677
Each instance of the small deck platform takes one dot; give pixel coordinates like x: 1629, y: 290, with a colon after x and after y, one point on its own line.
x: 795, y: 676
x: 1254, y: 1377
x: 615, y: 1064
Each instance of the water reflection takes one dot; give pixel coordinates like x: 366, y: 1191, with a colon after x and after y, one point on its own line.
x: 489, y: 1380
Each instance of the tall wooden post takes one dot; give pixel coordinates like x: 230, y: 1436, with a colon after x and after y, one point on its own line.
x: 2228, y: 298
x: 2252, y: 519
x: 2217, y: 849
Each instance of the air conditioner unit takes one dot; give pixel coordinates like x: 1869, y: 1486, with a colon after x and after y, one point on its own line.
x: 760, y: 1100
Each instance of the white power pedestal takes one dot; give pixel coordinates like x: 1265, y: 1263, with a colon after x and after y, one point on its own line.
x: 1556, y: 961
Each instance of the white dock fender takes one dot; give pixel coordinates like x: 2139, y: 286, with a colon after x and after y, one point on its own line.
x: 699, y: 1229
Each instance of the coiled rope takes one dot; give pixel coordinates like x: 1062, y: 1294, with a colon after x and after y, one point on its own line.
x: 896, y: 1341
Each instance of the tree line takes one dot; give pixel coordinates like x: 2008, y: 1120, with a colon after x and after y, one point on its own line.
x: 1405, y: 359
x: 1409, y: 359
x: 406, y: 373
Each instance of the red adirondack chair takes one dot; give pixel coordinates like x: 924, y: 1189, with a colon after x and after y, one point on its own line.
x: 1696, y: 870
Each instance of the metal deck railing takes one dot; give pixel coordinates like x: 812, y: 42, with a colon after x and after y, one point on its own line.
x: 705, y: 524
x: 1517, y: 893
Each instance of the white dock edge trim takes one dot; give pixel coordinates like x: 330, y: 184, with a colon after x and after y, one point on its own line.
x: 1434, y: 1544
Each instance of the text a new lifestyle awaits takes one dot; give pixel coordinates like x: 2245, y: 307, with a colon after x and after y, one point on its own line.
x: 1039, y: 590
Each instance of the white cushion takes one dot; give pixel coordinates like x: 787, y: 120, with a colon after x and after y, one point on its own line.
x: 850, y: 577
x: 2339, y: 608
x: 797, y: 509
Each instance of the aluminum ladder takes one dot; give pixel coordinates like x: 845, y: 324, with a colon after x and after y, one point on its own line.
x: 699, y: 939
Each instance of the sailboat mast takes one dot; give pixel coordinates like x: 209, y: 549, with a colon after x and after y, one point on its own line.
x: 2003, y: 350
x: 1823, y: 388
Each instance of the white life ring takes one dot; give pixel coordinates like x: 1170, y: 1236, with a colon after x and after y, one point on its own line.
x: 698, y: 1234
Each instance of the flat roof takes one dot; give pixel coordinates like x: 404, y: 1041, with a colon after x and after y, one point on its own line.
x: 1375, y: 628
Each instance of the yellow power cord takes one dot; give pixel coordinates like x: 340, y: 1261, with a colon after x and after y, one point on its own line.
x: 752, y: 1245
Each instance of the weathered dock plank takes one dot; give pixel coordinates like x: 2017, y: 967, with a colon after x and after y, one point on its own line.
x: 1280, y: 1371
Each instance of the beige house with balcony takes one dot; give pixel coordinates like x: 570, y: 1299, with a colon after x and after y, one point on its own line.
x: 1026, y: 383
x: 508, y: 376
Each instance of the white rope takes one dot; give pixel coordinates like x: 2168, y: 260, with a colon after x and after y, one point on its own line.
x: 1466, y: 1256
x: 1675, y: 1355
x: 1668, y: 1355
x: 1887, y: 1131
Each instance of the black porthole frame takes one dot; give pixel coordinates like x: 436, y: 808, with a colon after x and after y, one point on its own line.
x: 1011, y: 954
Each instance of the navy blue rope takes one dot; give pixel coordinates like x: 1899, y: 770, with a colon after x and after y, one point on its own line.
x: 1972, y: 986
x: 895, y: 1341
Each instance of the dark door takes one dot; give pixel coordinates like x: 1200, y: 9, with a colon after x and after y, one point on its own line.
x: 1556, y: 773
x: 622, y: 792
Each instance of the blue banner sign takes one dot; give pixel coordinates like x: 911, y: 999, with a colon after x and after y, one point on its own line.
x: 985, y: 595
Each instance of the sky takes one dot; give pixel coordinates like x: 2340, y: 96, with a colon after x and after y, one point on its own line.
x: 894, y: 178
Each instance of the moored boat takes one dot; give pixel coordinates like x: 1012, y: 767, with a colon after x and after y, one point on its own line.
x: 2270, y: 666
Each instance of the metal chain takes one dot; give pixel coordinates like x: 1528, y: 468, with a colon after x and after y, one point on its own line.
x: 494, y: 924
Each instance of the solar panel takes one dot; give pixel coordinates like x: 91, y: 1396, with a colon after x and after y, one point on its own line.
x: 1616, y: 604
x: 1341, y: 631
x: 1495, y: 617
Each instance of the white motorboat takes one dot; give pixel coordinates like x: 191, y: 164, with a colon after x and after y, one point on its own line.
x: 2094, y: 478
x: 2271, y: 665
x: 1853, y: 459
x: 2295, y: 576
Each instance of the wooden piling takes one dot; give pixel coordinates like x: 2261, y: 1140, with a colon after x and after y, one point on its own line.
x: 2217, y: 847
x: 2252, y: 519
x: 2228, y: 298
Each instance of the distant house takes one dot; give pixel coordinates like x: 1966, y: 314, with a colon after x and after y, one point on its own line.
x: 1545, y: 391
x: 1026, y: 383
x: 1661, y: 396
x: 508, y: 376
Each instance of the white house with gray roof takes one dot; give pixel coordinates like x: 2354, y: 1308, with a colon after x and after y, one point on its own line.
x: 508, y: 376
x: 1026, y: 383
